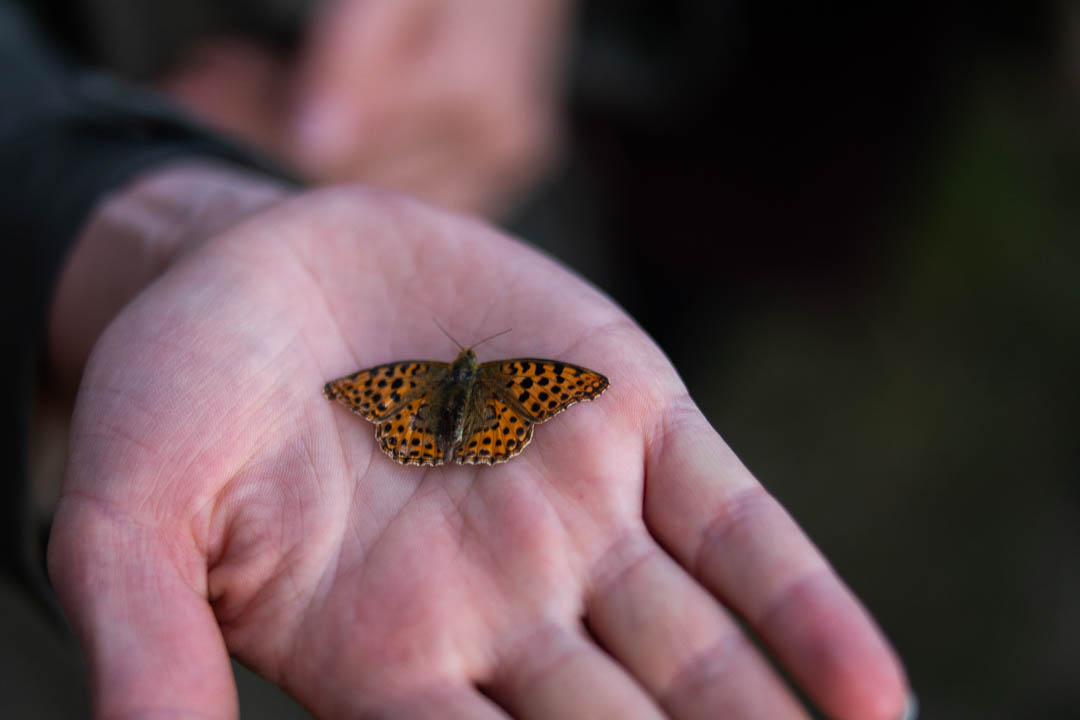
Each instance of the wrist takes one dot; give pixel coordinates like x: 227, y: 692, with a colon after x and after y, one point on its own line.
x: 131, y: 237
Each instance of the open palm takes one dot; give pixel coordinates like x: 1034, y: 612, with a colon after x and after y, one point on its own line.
x: 217, y: 503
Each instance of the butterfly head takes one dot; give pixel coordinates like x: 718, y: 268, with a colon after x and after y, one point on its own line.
x: 467, y: 356
x: 464, y: 366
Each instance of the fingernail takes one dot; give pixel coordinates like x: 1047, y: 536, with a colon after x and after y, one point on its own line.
x: 911, y: 710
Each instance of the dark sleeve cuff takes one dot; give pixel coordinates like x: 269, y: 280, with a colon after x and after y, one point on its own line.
x: 68, y: 137
x: 58, y: 170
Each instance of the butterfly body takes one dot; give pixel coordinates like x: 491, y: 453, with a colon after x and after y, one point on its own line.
x: 430, y: 413
x: 455, y: 392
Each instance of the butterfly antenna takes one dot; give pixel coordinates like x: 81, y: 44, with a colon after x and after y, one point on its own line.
x: 491, y: 337
x: 447, y: 334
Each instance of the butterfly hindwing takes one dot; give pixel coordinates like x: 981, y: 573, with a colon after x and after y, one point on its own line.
x: 495, y: 431
x: 407, y: 435
x: 542, y: 389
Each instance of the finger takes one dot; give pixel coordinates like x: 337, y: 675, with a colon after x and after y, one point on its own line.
x: 455, y: 163
x: 151, y: 638
x: 717, y: 521
x: 556, y: 673
x: 437, y: 173
x: 449, y: 703
x: 356, y: 59
x: 678, y: 641
x: 411, y: 154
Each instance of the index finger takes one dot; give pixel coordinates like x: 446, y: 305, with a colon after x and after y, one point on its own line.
x: 710, y: 513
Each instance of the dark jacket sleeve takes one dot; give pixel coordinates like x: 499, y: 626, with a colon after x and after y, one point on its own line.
x: 68, y: 136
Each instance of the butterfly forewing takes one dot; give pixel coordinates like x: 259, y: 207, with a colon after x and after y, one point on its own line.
x: 542, y: 389
x: 377, y: 392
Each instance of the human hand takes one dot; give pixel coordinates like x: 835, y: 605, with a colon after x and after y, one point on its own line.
x: 454, y: 102
x: 216, y: 502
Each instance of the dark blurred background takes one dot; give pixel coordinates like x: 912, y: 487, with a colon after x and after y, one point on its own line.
x: 852, y: 226
x: 854, y: 229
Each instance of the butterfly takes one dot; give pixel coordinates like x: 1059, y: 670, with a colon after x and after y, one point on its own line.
x: 430, y: 413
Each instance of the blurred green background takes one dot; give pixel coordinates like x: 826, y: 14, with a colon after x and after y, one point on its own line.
x: 853, y: 227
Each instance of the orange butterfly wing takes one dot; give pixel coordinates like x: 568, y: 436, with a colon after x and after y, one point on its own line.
x: 393, y: 397
x: 406, y: 436
x: 507, y: 399
x: 377, y: 393
x: 513, y: 395
x: 496, y: 431
x: 542, y: 389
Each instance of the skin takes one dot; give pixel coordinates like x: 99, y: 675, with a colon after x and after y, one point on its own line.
x: 457, y: 103
x: 215, y: 502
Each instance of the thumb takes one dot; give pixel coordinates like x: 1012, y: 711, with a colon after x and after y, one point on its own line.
x: 149, y: 634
